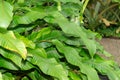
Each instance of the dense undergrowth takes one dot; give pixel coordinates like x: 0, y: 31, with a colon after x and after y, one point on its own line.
x: 46, y: 40
x: 103, y: 17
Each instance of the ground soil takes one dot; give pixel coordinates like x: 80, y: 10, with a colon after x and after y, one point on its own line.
x: 112, y: 46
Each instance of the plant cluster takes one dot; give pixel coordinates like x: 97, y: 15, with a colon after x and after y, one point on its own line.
x: 44, y: 39
x: 103, y: 17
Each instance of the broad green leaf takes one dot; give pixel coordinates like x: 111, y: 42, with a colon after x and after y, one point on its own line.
x: 73, y: 57
x: 6, y: 64
x: 74, y: 42
x: 74, y: 76
x: 29, y: 17
x: 36, y: 35
x: 35, y: 76
x: 106, y: 69
x: 38, y: 51
x: 42, y: 32
x: 5, y: 14
x: 49, y: 66
x: 27, y: 66
x: 8, y: 76
x: 8, y: 41
x: 44, y: 44
x: 53, y: 34
x: 11, y: 56
x: 52, y: 53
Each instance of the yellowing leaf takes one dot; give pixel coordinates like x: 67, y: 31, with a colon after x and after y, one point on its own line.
x: 7, y: 41
x: 107, y: 23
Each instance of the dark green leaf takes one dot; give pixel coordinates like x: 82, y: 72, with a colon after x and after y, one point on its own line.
x: 12, y: 56
x: 6, y: 64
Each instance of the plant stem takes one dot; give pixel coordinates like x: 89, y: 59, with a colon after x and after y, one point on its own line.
x: 59, y: 6
x: 84, y: 6
x: 83, y: 9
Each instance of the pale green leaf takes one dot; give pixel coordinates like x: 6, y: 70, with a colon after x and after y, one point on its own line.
x: 8, y: 76
x: 20, y: 1
x: 1, y: 76
x: 5, y: 14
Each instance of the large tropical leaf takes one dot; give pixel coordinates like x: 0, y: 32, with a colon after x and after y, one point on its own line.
x: 8, y: 41
x: 73, y: 29
x: 73, y: 57
x: 48, y: 66
x: 5, y: 14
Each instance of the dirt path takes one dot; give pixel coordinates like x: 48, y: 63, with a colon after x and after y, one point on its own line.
x: 113, y: 47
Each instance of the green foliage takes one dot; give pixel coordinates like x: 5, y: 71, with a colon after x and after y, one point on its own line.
x: 46, y: 40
